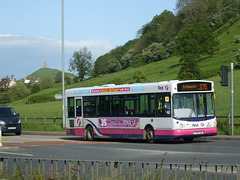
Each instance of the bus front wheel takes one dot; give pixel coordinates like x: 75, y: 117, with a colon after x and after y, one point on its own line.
x: 150, y: 135
x: 89, y: 133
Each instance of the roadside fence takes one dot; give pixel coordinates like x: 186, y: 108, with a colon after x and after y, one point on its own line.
x: 228, y: 120
x: 84, y: 169
x: 43, y: 121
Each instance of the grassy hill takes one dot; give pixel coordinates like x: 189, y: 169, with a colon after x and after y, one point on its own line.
x: 42, y: 72
x: 159, y: 71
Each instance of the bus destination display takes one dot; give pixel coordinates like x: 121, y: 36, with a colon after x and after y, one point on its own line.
x: 194, y: 86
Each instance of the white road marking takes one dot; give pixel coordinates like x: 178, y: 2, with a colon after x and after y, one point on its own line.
x: 148, y: 151
x: 12, y: 153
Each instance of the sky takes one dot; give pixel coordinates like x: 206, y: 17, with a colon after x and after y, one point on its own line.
x: 31, y: 30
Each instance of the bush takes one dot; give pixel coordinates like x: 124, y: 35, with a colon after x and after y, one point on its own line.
x: 210, y: 73
x: 139, y: 77
x: 40, y: 99
x: 35, y: 88
x: 138, y: 60
x: 18, y: 91
x: 4, y: 97
x: 46, y: 82
x: 155, y: 52
x: 223, y: 127
x: 222, y: 30
x: 237, y: 39
x: 114, y: 65
x: 236, y: 61
x: 116, y: 81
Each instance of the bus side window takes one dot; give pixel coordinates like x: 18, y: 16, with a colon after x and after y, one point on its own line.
x: 131, y: 103
x: 78, y: 107
x: 89, y: 106
x: 71, y: 112
x: 116, y: 105
x: 103, y: 106
x: 147, y: 105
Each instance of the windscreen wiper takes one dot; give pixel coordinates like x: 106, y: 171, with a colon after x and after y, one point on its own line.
x: 190, y: 115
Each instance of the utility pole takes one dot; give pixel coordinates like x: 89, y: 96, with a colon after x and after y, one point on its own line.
x: 232, y: 98
x: 63, y: 85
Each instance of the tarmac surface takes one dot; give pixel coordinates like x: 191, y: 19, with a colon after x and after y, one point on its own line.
x: 54, y: 133
x: 218, y: 137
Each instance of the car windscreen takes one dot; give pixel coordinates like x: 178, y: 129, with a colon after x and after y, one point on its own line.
x: 7, y: 112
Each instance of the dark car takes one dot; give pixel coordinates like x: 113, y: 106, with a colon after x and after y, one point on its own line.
x: 10, y: 121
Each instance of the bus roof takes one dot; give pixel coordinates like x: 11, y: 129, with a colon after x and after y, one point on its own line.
x: 112, y: 89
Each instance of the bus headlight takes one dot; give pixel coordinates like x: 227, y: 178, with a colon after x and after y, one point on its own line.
x: 215, y: 123
x: 208, y: 124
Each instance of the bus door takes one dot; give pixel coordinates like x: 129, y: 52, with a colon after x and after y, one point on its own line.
x: 79, y: 112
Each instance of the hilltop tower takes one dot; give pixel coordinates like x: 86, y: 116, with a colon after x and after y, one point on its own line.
x: 45, y: 64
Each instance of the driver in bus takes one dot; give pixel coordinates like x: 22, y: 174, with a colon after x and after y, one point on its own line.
x: 166, y: 108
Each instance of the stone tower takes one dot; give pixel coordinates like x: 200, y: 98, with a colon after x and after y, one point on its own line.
x: 45, y: 64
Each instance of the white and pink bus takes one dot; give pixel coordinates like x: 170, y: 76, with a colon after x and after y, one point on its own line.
x: 151, y: 111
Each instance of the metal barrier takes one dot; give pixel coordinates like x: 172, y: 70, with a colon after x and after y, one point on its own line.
x: 83, y: 169
x: 42, y: 121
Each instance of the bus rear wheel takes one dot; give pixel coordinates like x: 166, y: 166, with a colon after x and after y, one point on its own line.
x: 89, y: 133
x: 150, y: 135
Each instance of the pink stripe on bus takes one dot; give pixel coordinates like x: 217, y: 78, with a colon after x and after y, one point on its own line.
x: 121, y: 131
x: 162, y: 132
x: 180, y: 132
x: 77, y: 131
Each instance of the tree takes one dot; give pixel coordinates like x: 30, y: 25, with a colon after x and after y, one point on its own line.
x: 155, y: 23
x: 138, y: 60
x: 5, y: 82
x: 4, y: 86
x: 81, y: 63
x: 114, y: 65
x: 169, y: 29
x: 196, y: 39
x: 190, y: 69
x: 46, y: 82
x: 126, y: 59
x: 18, y: 91
x: 192, y: 11
x: 155, y: 52
x: 191, y: 43
x: 101, y: 65
x: 58, y: 78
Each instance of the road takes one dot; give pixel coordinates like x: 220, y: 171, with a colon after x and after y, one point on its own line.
x: 70, y: 147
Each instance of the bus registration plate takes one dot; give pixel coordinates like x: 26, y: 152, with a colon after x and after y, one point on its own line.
x: 198, y: 132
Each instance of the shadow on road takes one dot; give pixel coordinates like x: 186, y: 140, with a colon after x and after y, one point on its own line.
x: 122, y: 140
